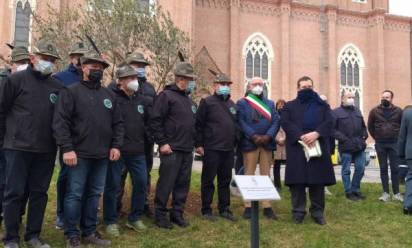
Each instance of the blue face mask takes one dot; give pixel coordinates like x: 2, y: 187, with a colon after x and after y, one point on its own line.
x: 223, y: 90
x: 44, y: 67
x: 191, y: 86
x: 141, y: 72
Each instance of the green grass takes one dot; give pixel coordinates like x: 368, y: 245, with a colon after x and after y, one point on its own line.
x: 368, y: 223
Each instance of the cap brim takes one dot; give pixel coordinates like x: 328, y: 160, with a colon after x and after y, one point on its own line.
x: 128, y: 75
x: 18, y: 58
x: 138, y: 62
x: 48, y: 54
x: 92, y: 61
x: 186, y: 75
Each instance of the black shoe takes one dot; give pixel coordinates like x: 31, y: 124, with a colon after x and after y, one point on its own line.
x: 73, y: 242
x: 227, y: 214
x: 359, y: 195
x: 352, y: 197
x: 298, y: 220
x: 319, y: 220
x: 269, y: 214
x: 163, y: 223
x: 178, y: 220
x: 209, y: 217
x: 407, y: 211
x: 148, y: 212
x: 247, y: 213
x: 96, y: 240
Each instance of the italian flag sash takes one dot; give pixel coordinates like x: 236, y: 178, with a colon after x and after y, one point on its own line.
x: 257, y: 104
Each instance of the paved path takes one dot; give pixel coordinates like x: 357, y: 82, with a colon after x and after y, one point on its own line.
x: 371, y: 171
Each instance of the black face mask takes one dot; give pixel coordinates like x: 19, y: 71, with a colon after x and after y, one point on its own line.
x: 385, y: 103
x: 95, y: 75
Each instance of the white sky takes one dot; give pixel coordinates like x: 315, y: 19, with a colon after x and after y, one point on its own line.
x: 400, y: 7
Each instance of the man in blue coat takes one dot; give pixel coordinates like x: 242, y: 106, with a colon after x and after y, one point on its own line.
x: 405, y: 152
x: 259, y: 122
x: 307, y: 119
x: 72, y: 74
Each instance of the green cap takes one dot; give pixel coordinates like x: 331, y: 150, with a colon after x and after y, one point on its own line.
x: 46, y: 47
x: 78, y: 48
x: 91, y: 57
x: 184, y: 69
x: 136, y: 58
x: 222, y: 78
x: 19, y: 53
x: 125, y: 71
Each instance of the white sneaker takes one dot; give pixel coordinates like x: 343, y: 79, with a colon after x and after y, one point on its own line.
x: 327, y: 192
x: 385, y: 197
x: 397, y: 197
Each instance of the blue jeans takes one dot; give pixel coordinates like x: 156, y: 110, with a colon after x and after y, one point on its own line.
x: 359, y: 159
x: 136, y: 166
x: 85, y: 184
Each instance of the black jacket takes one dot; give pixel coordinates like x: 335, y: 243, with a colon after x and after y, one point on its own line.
x: 147, y: 90
x: 216, y: 124
x: 87, y: 120
x: 385, y: 128
x: 349, y: 129
x: 134, y: 111
x: 173, y: 119
x: 26, y: 111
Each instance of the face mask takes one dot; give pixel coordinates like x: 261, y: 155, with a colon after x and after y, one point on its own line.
x: 22, y: 67
x: 305, y: 94
x: 191, y: 86
x: 95, y: 75
x: 141, y: 72
x: 349, y: 102
x: 133, y: 85
x: 257, y: 90
x: 385, y: 103
x: 223, y: 90
x: 44, y: 67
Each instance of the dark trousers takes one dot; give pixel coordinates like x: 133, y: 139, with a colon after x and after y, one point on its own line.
x: 26, y: 172
x: 316, y: 196
x: 239, y: 168
x: 2, y: 181
x: 387, y: 151
x: 174, y: 178
x: 61, y: 188
x: 218, y: 163
x: 85, y: 185
x: 136, y: 165
x: 276, y: 173
x: 149, y: 165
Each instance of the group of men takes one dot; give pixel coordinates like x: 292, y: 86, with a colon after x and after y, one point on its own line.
x: 102, y: 133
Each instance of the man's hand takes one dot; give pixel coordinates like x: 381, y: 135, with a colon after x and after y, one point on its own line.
x: 165, y: 149
x: 114, y: 154
x: 200, y: 150
x: 70, y: 158
x: 310, y: 138
x: 265, y: 139
x: 257, y: 139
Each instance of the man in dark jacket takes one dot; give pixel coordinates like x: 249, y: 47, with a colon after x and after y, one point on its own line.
x: 383, y: 124
x: 307, y: 119
x: 350, y: 131
x: 173, y: 126
x: 27, y: 139
x: 405, y: 152
x: 216, y: 130
x: 71, y: 75
x: 134, y: 113
x: 89, y: 130
x: 139, y: 63
x: 259, y: 122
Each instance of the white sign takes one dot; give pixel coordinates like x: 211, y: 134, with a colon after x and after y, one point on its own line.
x: 256, y: 188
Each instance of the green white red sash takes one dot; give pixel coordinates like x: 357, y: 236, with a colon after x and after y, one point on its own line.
x: 257, y: 104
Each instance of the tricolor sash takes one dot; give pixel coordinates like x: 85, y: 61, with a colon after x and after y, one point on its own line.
x: 260, y: 106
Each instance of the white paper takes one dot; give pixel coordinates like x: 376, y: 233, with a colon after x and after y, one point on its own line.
x: 256, y: 188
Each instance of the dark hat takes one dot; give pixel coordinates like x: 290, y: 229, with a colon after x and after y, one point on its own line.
x: 92, y: 56
x: 136, y: 58
x: 46, y: 47
x: 184, y: 69
x: 19, y: 53
x: 78, y: 48
x: 220, y: 77
x: 125, y: 71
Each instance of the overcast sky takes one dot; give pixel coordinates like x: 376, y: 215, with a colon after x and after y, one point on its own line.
x: 400, y: 7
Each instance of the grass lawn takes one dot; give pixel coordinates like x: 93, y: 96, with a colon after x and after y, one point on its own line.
x: 369, y: 223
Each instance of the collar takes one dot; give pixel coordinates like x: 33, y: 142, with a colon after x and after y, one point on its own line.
x: 91, y: 85
x: 37, y: 74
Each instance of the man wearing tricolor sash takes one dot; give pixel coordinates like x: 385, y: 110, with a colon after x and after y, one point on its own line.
x: 259, y: 123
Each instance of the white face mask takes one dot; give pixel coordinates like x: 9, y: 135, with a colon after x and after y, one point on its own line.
x: 44, y: 67
x: 257, y: 90
x: 22, y: 67
x: 349, y: 102
x: 133, y: 85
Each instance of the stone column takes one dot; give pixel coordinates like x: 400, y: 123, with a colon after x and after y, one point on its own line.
x: 235, y: 58
x: 332, y: 79
x: 285, y: 51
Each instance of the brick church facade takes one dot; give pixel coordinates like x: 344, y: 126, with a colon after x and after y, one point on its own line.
x: 342, y: 44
